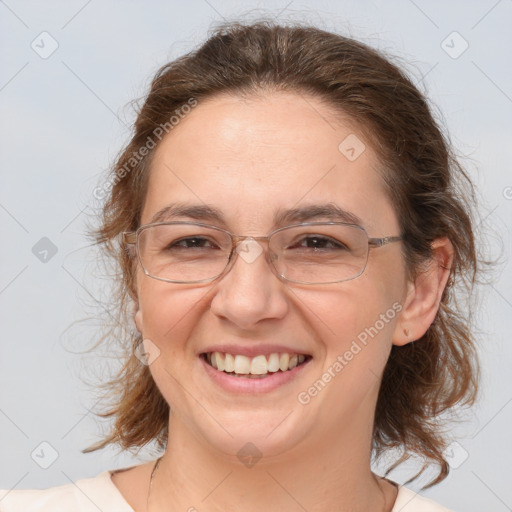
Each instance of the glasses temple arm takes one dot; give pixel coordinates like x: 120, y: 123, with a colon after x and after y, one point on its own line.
x: 129, y: 237
x: 379, y: 242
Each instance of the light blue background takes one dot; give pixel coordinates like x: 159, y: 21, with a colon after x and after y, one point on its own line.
x: 63, y: 119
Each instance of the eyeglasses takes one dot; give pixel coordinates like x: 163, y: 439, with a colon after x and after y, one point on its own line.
x: 306, y: 253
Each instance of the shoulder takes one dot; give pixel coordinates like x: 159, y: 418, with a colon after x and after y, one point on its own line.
x: 409, y: 501
x: 86, y: 495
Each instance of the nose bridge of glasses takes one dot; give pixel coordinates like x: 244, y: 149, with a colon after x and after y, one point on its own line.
x: 237, y: 239
x: 248, y: 247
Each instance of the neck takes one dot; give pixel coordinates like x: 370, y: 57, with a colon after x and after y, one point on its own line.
x: 333, y: 474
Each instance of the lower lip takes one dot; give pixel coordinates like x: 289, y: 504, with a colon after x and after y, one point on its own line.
x: 250, y: 385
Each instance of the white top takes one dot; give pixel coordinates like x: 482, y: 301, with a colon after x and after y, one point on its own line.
x: 99, y: 493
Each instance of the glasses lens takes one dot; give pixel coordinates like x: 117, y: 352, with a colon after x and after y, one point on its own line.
x: 183, y: 252
x: 320, y: 253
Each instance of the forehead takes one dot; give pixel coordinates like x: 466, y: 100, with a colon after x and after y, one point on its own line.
x: 252, y: 157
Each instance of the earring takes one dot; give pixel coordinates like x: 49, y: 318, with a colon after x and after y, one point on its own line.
x: 406, y: 332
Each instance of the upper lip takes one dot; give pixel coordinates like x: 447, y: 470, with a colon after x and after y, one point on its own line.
x: 253, y: 350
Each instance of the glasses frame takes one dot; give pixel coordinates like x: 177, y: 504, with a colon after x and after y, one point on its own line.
x: 131, y: 238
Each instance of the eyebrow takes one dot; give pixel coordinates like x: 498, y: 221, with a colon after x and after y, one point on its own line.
x: 328, y: 212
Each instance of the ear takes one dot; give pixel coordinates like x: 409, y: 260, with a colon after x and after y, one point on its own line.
x: 424, y: 294
x: 137, y: 317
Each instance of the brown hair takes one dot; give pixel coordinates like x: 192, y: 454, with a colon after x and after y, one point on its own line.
x: 428, y: 187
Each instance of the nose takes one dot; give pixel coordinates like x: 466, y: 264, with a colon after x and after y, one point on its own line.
x: 250, y: 292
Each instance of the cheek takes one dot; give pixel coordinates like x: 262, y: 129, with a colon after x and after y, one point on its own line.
x: 356, y: 322
x: 169, y: 313
x: 355, y: 326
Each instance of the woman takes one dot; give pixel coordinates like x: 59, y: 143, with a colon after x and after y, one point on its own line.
x: 290, y: 226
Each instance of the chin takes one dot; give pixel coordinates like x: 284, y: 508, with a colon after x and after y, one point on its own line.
x: 255, y: 433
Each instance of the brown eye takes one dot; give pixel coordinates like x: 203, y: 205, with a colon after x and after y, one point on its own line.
x: 192, y: 242
x: 320, y: 242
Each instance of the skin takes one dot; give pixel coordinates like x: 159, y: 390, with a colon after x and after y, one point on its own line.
x: 249, y: 157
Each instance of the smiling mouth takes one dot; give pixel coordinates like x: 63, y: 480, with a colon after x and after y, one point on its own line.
x: 257, y: 367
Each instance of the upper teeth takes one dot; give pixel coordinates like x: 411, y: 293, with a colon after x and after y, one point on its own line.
x: 258, y: 365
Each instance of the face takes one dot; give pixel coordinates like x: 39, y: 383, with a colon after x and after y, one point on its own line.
x: 248, y: 159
